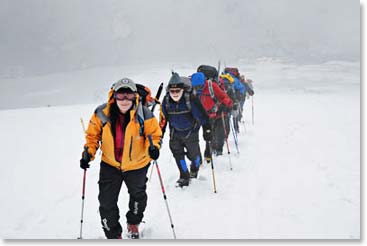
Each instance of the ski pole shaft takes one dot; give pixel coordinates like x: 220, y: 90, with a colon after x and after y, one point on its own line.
x: 151, y: 172
x: 212, y: 166
x: 165, y: 199
x: 217, y: 78
x: 252, y: 100
x: 162, y: 187
x: 82, y: 122
x: 234, y: 136
x: 225, y: 134
x: 82, y: 212
x: 83, y: 190
x: 244, y: 120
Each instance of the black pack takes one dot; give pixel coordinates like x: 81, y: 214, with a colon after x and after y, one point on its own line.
x: 249, y: 89
x: 209, y: 71
x: 145, y: 94
x: 233, y: 71
x: 187, y: 83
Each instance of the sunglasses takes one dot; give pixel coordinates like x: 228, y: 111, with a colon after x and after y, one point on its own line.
x: 124, y: 96
x: 174, y: 91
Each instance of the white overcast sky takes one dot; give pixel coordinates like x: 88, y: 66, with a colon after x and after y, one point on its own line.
x: 43, y: 36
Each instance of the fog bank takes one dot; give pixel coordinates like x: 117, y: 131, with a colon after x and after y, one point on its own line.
x: 40, y: 37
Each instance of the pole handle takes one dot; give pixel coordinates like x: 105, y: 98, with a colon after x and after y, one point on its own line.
x: 159, y: 92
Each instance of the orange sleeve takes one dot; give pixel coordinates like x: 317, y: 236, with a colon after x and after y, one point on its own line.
x: 93, y: 135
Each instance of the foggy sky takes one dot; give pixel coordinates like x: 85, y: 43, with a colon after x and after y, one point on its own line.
x: 45, y: 36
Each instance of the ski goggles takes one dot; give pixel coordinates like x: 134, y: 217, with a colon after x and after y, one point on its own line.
x: 174, y: 91
x: 124, y: 96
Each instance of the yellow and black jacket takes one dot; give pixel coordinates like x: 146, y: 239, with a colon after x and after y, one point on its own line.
x: 135, y: 154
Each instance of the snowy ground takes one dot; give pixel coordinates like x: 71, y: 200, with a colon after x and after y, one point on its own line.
x: 297, y: 175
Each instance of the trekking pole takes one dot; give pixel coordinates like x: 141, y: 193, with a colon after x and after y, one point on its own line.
x: 233, y: 127
x: 82, y: 122
x: 242, y: 116
x: 162, y: 186
x: 83, y: 192
x: 234, y: 132
x: 151, y: 172
x: 82, y: 213
x: 217, y: 78
x: 225, y: 134
x: 212, y: 164
x: 158, y: 95
x: 252, y: 100
x: 235, y: 137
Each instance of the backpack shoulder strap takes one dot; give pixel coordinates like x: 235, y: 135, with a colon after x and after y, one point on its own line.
x: 210, y: 86
x: 196, y: 101
x: 101, y: 115
x: 166, y: 99
x: 187, y: 96
x: 140, y: 117
x: 143, y: 113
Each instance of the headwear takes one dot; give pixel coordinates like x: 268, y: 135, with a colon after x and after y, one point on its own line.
x: 228, y: 77
x: 124, y: 83
x: 175, y: 81
x: 198, y: 79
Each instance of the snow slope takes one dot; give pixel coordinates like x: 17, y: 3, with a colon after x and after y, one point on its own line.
x: 297, y: 175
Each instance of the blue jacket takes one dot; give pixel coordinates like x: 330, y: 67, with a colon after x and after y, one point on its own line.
x: 184, y: 117
x: 238, y: 86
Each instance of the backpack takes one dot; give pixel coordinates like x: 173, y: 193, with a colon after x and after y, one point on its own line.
x: 209, y: 71
x: 248, y: 85
x: 187, y: 84
x: 249, y: 88
x: 145, y: 94
x: 233, y: 71
x: 141, y: 111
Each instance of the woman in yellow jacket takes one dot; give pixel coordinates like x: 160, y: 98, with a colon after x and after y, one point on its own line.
x: 121, y: 128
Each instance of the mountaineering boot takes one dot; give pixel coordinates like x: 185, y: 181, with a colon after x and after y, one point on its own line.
x: 194, y: 167
x: 194, y: 174
x: 181, y: 182
x: 219, y: 152
x: 133, y: 231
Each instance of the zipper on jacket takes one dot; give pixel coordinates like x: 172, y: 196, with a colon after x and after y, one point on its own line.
x: 131, y: 147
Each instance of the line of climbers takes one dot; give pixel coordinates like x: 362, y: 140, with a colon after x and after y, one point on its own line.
x: 120, y: 128
x: 219, y: 97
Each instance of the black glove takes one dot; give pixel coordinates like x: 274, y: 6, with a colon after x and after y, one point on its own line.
x: 84, y: 162
x: 154, y: 152
x: 235, y: 106
x: 207, y: 133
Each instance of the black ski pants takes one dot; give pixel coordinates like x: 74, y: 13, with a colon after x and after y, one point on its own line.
x: 110, y: 182
x: 218, y: 133
x: 178, y: 144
